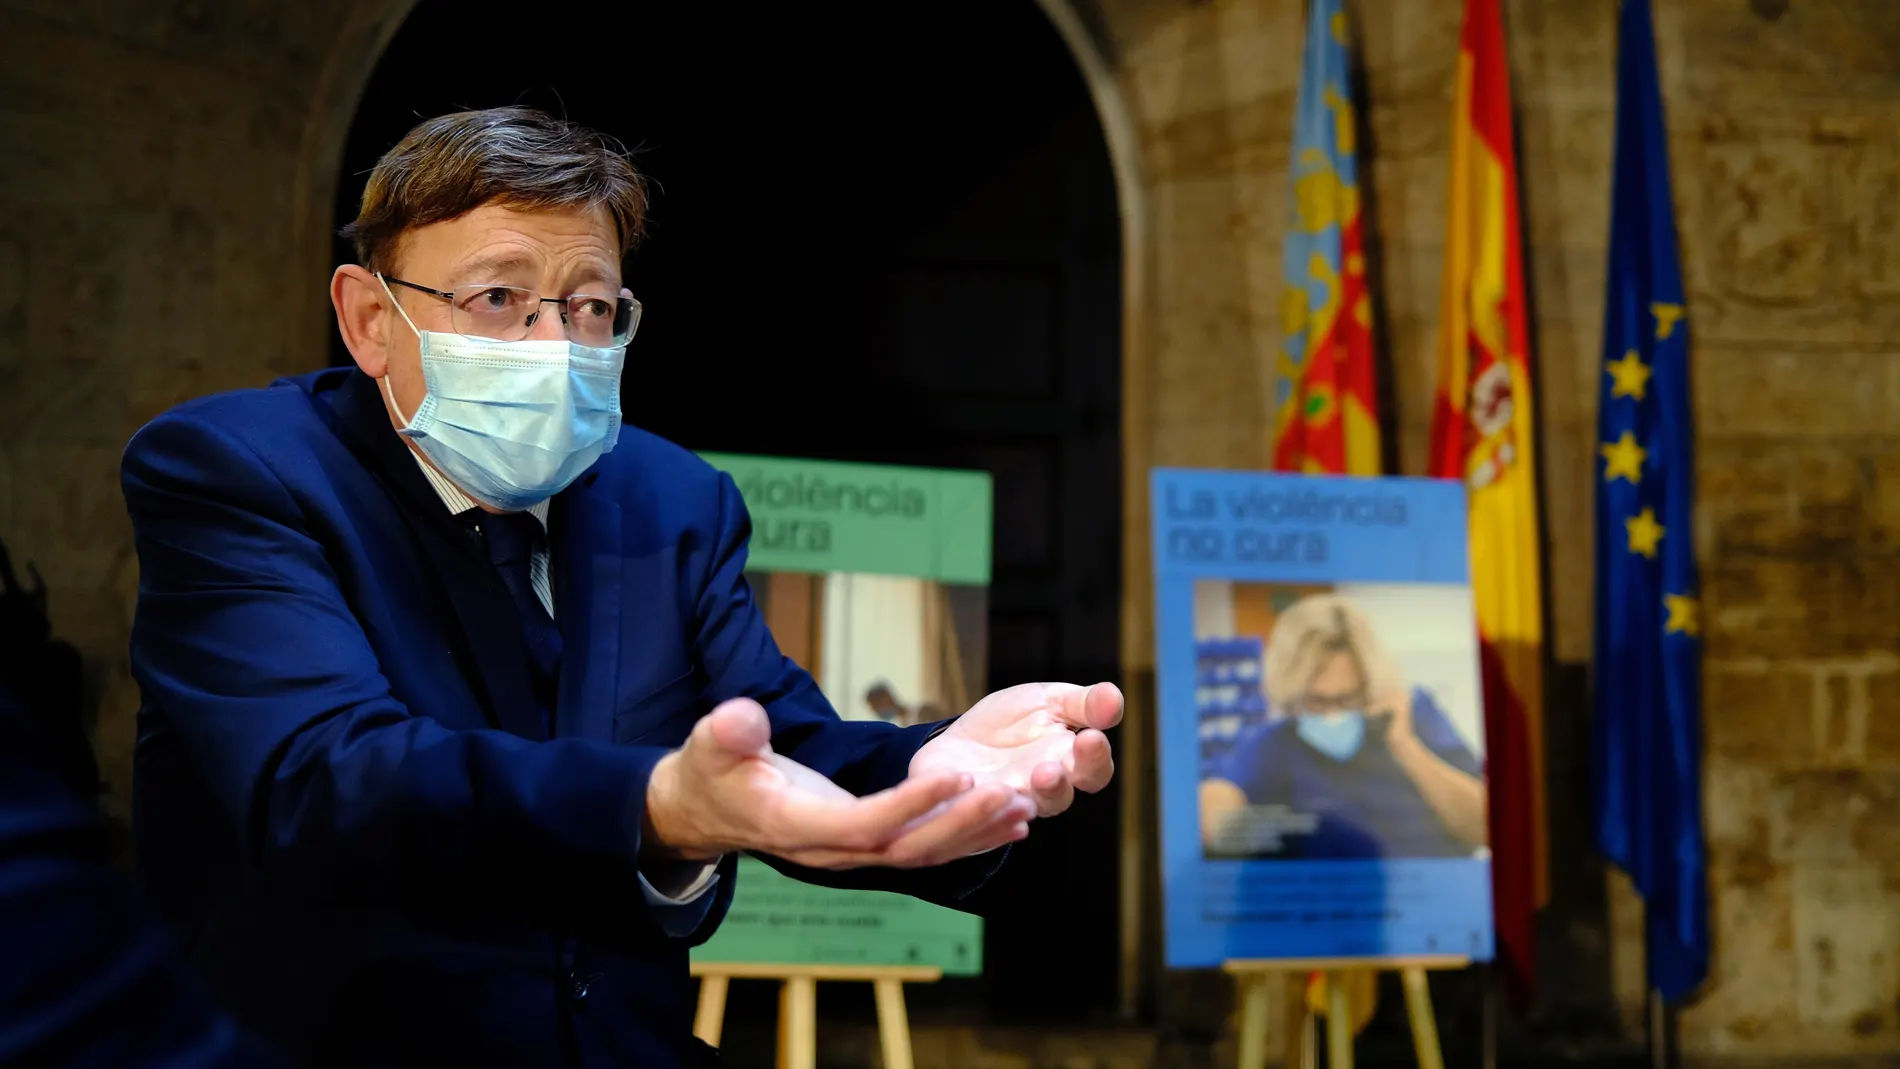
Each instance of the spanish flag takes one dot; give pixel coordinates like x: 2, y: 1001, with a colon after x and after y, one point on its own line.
x: 1482, y: 434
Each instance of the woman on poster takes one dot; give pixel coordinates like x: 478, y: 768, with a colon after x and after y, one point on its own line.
x: 1355, y: 762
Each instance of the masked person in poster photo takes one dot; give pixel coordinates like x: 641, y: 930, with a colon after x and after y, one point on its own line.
x: 1360, y: 765
x: 457, y: 707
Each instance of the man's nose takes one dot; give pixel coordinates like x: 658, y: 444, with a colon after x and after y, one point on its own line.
x: 547, y: 324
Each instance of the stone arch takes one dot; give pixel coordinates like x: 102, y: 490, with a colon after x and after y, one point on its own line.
x: 366, y: 30
x: 1124, y: 153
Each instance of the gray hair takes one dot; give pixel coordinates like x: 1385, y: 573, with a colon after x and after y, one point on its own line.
x: 1308, y: 634
x: 518, y: 157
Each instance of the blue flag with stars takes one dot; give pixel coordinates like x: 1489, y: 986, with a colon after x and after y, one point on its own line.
x: 1647, y: 741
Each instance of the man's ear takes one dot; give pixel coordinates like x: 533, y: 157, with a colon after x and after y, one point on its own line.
x: 362, y: 317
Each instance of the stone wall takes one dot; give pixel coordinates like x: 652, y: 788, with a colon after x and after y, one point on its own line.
x: 167, y: 173
x: 1787, y: 144
x: 1783, y: 136
x: 148, y: 254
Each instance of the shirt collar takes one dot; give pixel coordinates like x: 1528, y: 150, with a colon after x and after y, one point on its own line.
x: 459, y: 502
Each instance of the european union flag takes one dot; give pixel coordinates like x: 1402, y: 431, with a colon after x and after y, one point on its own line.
x: 1647, y: 744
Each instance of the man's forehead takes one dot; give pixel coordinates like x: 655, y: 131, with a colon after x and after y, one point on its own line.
x: 497, y: 242
x: 496, y: 262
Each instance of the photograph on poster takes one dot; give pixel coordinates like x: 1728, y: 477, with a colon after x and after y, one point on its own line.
x: 1338, y: 721
x: 881, y: 647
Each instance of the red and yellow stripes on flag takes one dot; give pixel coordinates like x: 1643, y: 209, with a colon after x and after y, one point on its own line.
x: 1326, y: 408
x: 1482, y: 433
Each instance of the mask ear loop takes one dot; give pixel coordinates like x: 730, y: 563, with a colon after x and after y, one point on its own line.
x: 384, y: 381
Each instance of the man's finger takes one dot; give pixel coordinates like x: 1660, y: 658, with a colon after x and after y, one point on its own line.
x: 961, y: 828
x: 948, y: 842
x: 1102, y: 706
x: 735, y: 730
x: 871, y: 823
x: 1052, y: 788
x: 1010, y: 825
x: 1014, y: 827
x: 1094, y: 761
x: 1098, y: 707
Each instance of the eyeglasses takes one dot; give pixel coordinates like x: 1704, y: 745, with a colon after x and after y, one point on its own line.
x: 509, y: 313
x: 1332, y: 703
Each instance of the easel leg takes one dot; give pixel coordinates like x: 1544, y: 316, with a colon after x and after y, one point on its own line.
x: 1296, y: 1021
x: 784, y: 1058
x: 710, y: 1019
x: 1338, y: 1022
x: 893, y: 1024
x: 1418, y: 1006
x: 798, y: 1024
x: 1254, y: 992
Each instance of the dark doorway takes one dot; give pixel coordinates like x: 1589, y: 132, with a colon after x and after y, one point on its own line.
x: 882, y: 233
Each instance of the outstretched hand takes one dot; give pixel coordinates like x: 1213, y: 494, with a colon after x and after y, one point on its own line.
x: 725, y: 790
x: 1043, y: 741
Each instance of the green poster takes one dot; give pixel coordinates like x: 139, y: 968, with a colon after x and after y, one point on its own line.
x: 875, y: 579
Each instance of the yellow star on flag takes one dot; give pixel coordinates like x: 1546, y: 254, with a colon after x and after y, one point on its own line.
x: 1629, y: 376
x: 1683, y: 618
x: 1645, y: 533
x: 1667, y: 316
x: 1623, y: 459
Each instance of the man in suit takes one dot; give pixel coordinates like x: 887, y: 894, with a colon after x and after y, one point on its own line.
x: 457, y: 708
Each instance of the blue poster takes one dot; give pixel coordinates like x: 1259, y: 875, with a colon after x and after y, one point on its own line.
x: 1321, y: 722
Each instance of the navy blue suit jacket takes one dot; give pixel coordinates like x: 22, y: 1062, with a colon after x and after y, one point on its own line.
x: 343, y: 792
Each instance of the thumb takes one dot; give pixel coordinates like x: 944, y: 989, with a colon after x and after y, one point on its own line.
x: 734, y: 730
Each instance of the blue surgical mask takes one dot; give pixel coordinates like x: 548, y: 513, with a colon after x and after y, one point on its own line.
x: 513, y: 423
x: 1337, y: 735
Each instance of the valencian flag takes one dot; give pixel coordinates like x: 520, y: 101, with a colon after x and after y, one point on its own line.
x: 1326, y: 417
x: 1646, y: 743
x: 1481, y: 433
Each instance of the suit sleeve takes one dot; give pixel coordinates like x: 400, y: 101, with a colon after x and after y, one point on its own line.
x: 246, y: 650
x: 742, y: 660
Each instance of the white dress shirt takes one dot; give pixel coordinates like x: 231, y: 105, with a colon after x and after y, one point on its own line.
x: 678, y: 913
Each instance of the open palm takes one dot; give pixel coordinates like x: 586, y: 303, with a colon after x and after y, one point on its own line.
x: 1018, y: 754
x: 727, y: 790
x: 1042, y: 740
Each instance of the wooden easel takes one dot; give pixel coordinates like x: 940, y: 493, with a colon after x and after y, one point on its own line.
x: 798, y: 1004
x: 1256, y: 976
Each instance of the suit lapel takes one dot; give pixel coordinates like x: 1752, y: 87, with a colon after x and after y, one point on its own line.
x: 585, y: 537
x: 492, y: 654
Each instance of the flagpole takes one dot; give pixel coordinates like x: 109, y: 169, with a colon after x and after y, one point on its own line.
x: 1490, y: 1023
x: 1658, y: 1050
x: 1660, y: 1047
